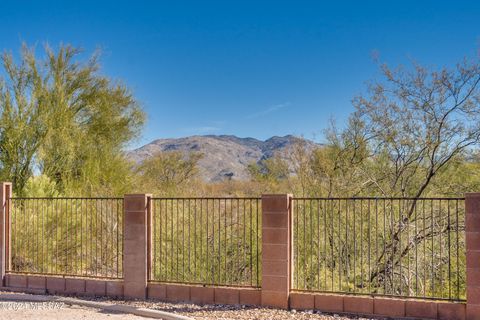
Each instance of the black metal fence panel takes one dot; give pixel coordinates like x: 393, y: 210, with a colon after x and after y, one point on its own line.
x: 210, y: 241
x: 67, y: 236
x: 406, y: 247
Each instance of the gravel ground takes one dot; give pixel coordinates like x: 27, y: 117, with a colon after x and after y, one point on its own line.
x: 225, y: 312
x: 239, y: 312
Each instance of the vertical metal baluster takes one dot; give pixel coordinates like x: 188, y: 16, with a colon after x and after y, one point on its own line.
x: 457, y: 253
x: 238, y: 234
x: 25, y: 228
x: 408, y: 284
x: 155, y: 224
x: 361, y: 245
x: 122, y: 217
x: 112, y: 238
x: 311, y: 237
x: 440, y: 221
x: 346, y: 266
x: 170, y: 267
x: 174, y: 234
x: 332, y: 245
x: 177, y: 202
x: 339, y: 245
x: 48, y: 235
x: 376, y: 246
x: 449, y: 254
x: 258, y: 241
x: 118, y: 240
x: 92, y: 213
x: 201, y: 239
x: 296, y: 251
x: 250, y: 247
x: 84, y: 229
x: 318, y: 246
x: 183, y: 241
x: 416, y: 249
x: 189, y: 242
x: 109, y: 238
x: 433, y: 256
x: 369, y: 249
x: 354, y: 213
x: 100, y: 260
x: 385, y: 246
x: 21, y: 231
x: 400, y: 222
x: 219, y: 260
x: 424, y: 250
x: 304, y: 211
x: 15, y: 234
x: 43, y: 238
x: 75, y: 234
x: 67, y: 248
x: 168, y: 241
x: 325, y: 243
x: 195, y: 241
x: 213, y: 241
x: 206, y: 239
x: 105, y: 234
x: 163, y: 257
x: 225, y: 238
x: 36, y: 215
x: 392, y: 259
x: 95, y: 226
x: 93, y: 239
x: 244, y: 241
x: 85, y: 232
x: 56, y: 236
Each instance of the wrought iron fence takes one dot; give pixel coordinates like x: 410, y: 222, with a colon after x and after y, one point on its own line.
x: 408, y: 247
x: 210, y: 241
x: 67, y: 236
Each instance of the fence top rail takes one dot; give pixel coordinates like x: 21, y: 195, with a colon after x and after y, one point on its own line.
x: 206, y: 198
x: 241, y: 198
x: 379, y: 198
x: 66, y: 198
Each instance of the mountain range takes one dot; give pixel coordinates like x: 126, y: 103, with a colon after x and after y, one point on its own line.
x: 225, y: 157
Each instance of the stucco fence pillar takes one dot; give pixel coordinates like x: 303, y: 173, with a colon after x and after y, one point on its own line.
x: 136, y: 256
x: 276, y: 250
x: 472, y: 231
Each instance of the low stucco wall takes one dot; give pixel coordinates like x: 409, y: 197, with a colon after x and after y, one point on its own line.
x: 378, y: 306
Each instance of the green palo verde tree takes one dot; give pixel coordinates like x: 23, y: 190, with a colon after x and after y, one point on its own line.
x: 61, y: 118
x: 63, y: 128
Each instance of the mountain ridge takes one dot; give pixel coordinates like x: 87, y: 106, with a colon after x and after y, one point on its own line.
x: 225, y: 157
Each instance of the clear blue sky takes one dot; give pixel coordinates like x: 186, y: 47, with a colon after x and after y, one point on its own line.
x: 249, y: 68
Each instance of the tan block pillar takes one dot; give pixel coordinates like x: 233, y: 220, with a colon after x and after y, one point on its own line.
x: 472, y: 227
x: 135, y: 255
x: 276, y: 235
x: 5, y: 195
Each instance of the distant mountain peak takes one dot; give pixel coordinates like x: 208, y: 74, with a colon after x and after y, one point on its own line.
x: 225, y: 156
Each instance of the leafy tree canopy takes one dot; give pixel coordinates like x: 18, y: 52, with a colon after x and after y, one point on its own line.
x: 60, y: 117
